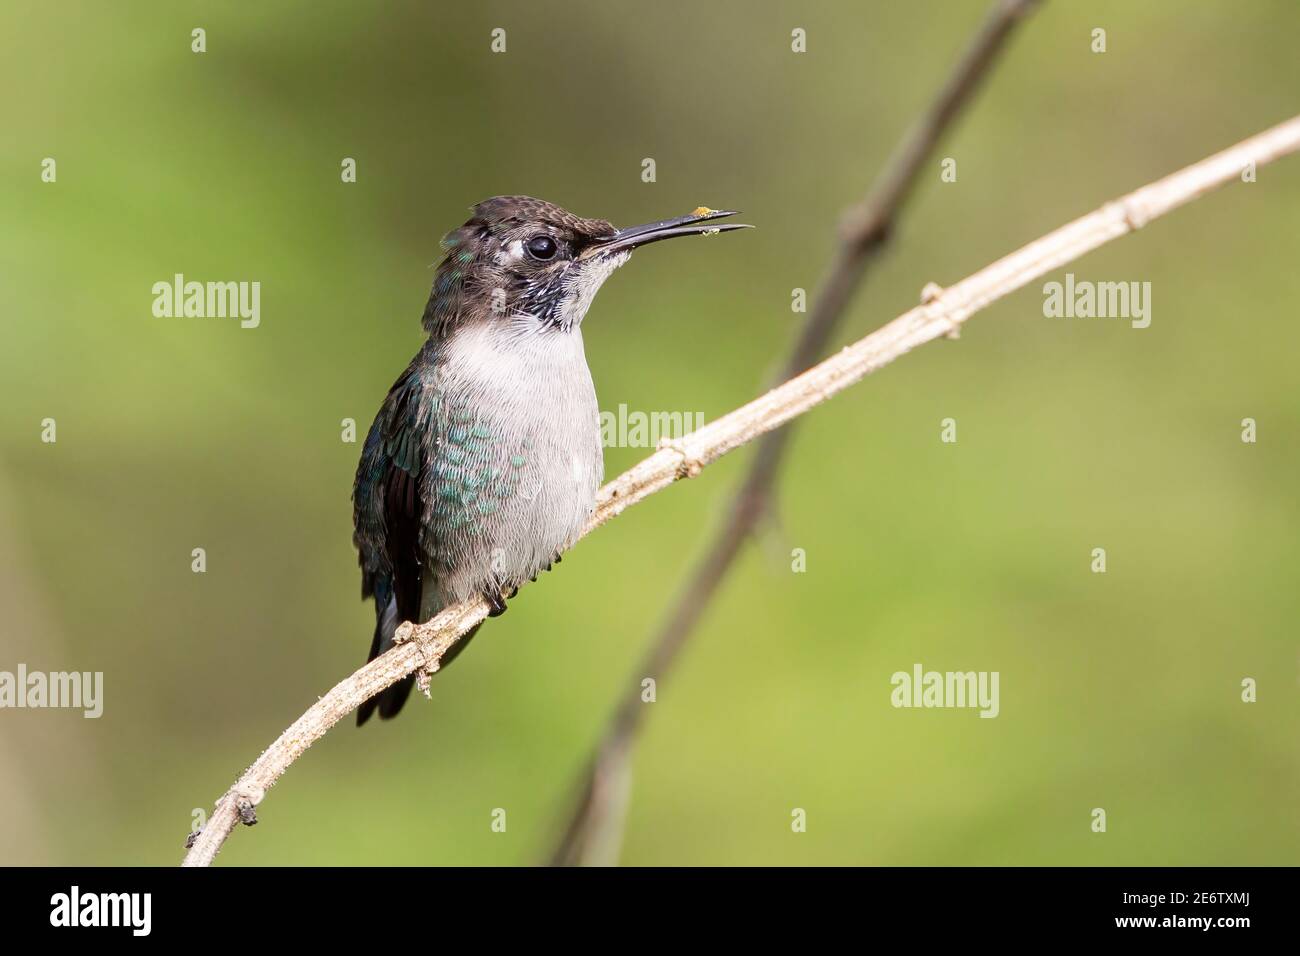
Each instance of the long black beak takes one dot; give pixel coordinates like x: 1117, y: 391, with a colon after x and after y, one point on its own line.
x: 691, y: 225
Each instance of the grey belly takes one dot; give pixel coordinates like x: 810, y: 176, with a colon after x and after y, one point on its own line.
x: 507, y: 492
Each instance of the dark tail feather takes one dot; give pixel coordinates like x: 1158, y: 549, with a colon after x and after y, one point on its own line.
x: 390, y: 700
x: 454, y: 651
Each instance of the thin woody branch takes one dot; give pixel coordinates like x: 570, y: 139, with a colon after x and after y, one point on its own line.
x: 424, y: 645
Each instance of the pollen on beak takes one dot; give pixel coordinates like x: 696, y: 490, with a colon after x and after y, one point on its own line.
x: 691, y: 225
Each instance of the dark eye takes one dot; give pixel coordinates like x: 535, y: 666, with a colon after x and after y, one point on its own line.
x: 542, y: 247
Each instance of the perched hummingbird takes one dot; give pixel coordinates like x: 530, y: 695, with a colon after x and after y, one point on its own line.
x: 483, y: 463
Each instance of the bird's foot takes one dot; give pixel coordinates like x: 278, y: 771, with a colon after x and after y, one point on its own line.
x: 495, y: 601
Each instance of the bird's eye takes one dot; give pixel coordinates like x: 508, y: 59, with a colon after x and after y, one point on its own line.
x: 542, y: 247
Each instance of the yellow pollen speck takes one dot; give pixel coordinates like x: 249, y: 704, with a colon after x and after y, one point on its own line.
x: 701, y: 211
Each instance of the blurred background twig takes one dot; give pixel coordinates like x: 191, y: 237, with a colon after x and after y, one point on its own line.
x: 593, y: 834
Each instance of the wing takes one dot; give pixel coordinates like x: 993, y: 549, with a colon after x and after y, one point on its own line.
x: 387, y: 507
x: 387, y: 511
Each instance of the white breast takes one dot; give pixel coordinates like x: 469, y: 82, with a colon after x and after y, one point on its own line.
x: 531, y: 388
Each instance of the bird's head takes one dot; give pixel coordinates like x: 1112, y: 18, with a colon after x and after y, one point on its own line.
x: 537, y: 266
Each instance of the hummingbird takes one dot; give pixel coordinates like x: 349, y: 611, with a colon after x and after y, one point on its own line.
x: 483, y: 462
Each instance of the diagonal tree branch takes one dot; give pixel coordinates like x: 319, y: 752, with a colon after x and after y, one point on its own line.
x: 594, y: 832
x: 942, y: 313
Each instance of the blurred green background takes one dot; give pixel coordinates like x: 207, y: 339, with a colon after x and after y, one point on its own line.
x: 1119, y: 691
